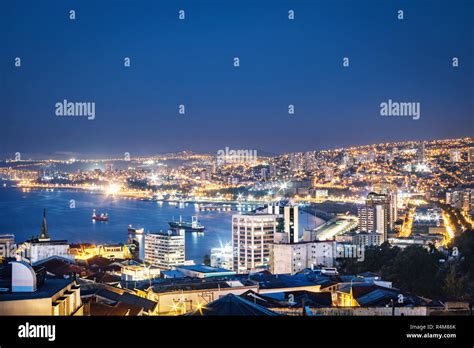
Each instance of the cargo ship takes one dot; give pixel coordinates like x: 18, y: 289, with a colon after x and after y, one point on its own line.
x: 193, y: 226
x: 101, y: 217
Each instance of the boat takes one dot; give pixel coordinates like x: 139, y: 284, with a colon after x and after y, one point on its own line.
x: 193, y: 226
x: 101, y: 217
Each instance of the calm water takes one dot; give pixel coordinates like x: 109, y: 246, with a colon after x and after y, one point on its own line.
x: 21, y: 214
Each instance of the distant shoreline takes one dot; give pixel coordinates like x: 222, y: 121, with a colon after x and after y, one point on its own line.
x: 141, y: 196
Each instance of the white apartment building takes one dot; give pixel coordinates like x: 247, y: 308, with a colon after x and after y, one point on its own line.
x: 292, y: 258
x: 252, y: 236
x: 165, y: 249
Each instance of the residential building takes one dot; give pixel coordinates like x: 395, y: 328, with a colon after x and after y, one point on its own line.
x: 28, y: 292
x: 361, y: 238
x: 252, y: 236
x: 293, y: 258
x: 165, y: 249
x: 375, y: 215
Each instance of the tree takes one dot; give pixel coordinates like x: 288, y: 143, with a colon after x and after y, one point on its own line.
x: 416, y: 270
x: 455, y: 284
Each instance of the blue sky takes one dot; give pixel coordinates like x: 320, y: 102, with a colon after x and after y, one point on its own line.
x: 190, y: 62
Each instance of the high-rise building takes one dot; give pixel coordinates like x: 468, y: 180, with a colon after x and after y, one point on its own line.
x: 136, y: 237
x: 461, y: 198
x: 165, y: 249
x: 421, y: 153
x: 264, y: 173
x: 470, y: 154
x: 252, y: 236
x: 391, y: 191
x: 272, y: 171
x: 455, y: 155
x: 291, y: 223
x: 375, y: 215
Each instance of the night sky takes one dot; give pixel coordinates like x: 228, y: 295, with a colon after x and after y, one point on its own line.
x: 190, y: 62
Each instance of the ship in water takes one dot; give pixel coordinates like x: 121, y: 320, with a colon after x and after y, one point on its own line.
x: 193, y: 226
x: 101, y: 217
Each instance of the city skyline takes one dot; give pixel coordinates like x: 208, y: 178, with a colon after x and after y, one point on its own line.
x: 76, y: 156
x: 307, y: 160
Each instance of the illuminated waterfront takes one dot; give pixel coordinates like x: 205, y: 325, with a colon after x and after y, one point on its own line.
x: 20, y: 214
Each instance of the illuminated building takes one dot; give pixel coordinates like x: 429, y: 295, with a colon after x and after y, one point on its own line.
x: 291, y: 223
x: 114, y: 251
x: 455, y: 155
x: 321, y: 194
x: 470, y: 154
x: 165, y: 249
x: 372, y: 219
x: 461, y: 198
x: 136, y: 237
x: 183, y: 295
x: 252, y: 235
x: 390, y: 191
x: 272, y: 171
x: 222, y: 257
x: 421, y: 153
x: 361, y: 238
x: 138, y: 272
x: 264, y: 173
x: 203, y: 271
x: 30, y: 293
x: 42, y: 247
x: 424, y: 241
x: 293, y: 258
x: 85, y: 252
x: 328, y: 174
x: 375, y: 215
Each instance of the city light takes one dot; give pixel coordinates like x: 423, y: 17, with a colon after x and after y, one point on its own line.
x: 113, y: 189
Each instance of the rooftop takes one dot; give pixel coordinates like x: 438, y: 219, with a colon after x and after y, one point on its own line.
x: 48, y: 289
x: 204, y: 269
x: 233, y: 305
